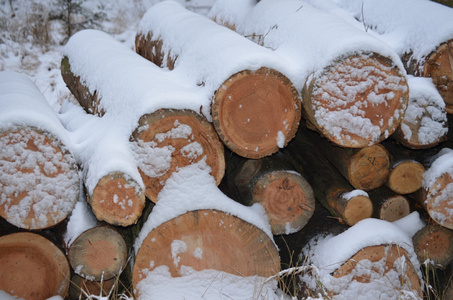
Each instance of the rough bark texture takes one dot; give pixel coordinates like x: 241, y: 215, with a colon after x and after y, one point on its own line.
x: 98, y: 254
x: 254, y: 112
x: 234, y: 246
x: 32, y: 267
x: 435, y: 243
x: 318, y: 95
x: 39, y: 176
x: 197, y: 141
x: 388, y: 205
x: 329, y: 186
x: 271, y: 181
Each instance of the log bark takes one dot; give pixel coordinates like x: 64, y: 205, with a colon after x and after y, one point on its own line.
x: 388, y: 205
x: 365, y: 169
x: 197, y: 140
x: 434, y: 243
x: 331, y: 189
x: 377, y: 102
x: 255, y: 111
x: 99, y: 253
x: 207, y: 239
x: 272, y: 182
x: 32, y: 267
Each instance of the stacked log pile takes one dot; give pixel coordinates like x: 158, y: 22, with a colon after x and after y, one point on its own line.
x: 262, y: 160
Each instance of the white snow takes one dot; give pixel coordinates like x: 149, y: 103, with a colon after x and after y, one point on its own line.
x: 80, y: 220
x: 354, y: 193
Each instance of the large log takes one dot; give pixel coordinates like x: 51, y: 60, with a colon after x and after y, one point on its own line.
x: 160, y: 144
x: 331, y: 189
x: 272, y: 182
x: 32, y: 267
x: 423, y: 43
x: 436, y: 193
x: 207, y: 239
x: 354, y: 93
x: 366, y: 258
x: 99, y: 253
x: 425, y: 123
x: 39, y: 179
x: 255, y: 108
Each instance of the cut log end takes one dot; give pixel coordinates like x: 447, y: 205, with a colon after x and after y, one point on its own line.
x: 369, y: 168
x: 32, y: 267
x: 39, y: 180
x: 80, y: 286
x: 439, y: 66
x: 439, y: 201
x: 288, y: 200
x: 394, y: 208
x: 117, y: 199
x: 207, y: 239
x: 391, y: 254
x: 434, y: 242
x: 379, y: 106
x: 256, y: 113
x: 406, y: 177
x: 178, y: 138
x: 357, y: 208
x: 98, y: 254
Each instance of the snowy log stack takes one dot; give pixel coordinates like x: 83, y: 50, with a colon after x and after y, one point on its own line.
x: 148, y: 135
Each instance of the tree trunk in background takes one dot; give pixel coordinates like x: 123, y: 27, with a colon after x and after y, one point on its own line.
x: 207, y: 239
x: 272, y: 182
x: 254, y: 112
x: 365, y: 169
x: 38, y: 177
x: 32, y: 267
x: 388, y: 205
x: 331, y: 189
x: 158, y: 131
x: 99, y: 253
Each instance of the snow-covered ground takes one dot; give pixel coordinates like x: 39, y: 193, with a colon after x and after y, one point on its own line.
x: 33, y: 45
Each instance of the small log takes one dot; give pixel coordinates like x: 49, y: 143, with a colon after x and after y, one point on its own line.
x: 82, y: 288
x: 436, y: 193
x: 371, y: 259
x: 207, y: 239
x: 355, y: 94
x: 271, y: 181
x: 255, y: 108
x: 434, y: 244
x: 365, y: 169
x: 32, y: 267
x: 39, y: 178
x: 331, y: 189
x: 388, y: 205
x: 185, y: 135
x: 425, y: 123
x: 99, y: 253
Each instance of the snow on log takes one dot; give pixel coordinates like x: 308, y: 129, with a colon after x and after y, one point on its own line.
x: 272, y: 182
x: 353, y: 85
x: 39, y: 179
x: 437, y: 189
x: 99, y: 253
x: 434, y: 244
x: 425, y: 123
x: 330, y: 188
x: 113, y: 185
x: 368, y: 260
x: 195, y: 226
x: 388, y: 205
x: 423, y: 38
x: 133, y: 96
x: 255, y: 108
x: 32, y: 267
